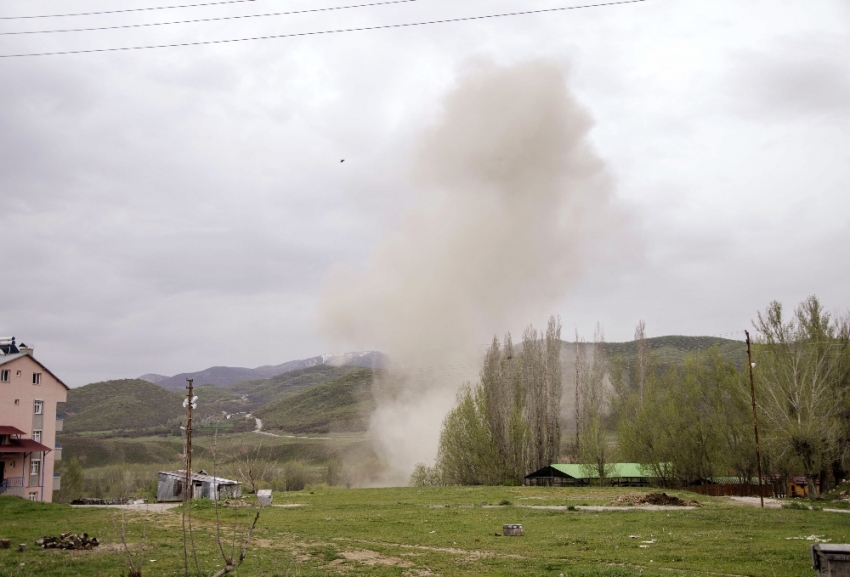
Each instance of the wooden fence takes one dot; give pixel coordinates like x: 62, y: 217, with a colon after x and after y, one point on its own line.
x: 737, y: 490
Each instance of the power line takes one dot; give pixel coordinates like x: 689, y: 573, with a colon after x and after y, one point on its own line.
x: 324, y: 32
x: 126, y: 10
x: 215, y: 19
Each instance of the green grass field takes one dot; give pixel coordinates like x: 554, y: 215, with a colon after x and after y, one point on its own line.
x: 440, y: 531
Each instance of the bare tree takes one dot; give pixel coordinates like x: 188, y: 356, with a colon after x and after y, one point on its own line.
x: 802, y: 367
x: 642, y: 360
x: 509, y: 423
x: 250, y: 467
x: 541, y: 380
x: 552, y: 384
x: 593, y: 407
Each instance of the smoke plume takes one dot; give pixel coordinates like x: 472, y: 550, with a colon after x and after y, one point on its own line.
x: 510, y: 196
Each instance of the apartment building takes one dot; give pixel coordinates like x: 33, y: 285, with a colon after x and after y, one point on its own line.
x: 29, y: 393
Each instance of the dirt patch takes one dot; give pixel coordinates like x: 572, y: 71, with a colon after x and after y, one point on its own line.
x: 471, y: 555
x: 657, y: 499
x: 372, y: 558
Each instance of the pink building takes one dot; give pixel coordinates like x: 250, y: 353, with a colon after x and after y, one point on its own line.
x: 28, y: 424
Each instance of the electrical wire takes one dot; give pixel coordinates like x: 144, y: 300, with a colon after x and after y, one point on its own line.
x: 126, y: 10
x: 214, y: 19
x: 325, y: 32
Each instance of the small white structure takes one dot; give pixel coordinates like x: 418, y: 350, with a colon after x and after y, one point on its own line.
x: 264, y: 496
x: 171, y: 485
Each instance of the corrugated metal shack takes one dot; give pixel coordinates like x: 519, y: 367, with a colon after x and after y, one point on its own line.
x: 170, y: 486
x: 572, y: 474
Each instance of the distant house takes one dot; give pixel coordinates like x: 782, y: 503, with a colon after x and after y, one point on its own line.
x: 574, y: 474
x: 29, y: 393
x: 171, y: 484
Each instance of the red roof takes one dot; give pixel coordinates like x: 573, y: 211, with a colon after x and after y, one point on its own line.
x: 24, y: 446
x: 9, y: 430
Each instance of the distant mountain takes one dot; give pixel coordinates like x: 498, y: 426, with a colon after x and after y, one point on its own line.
x: 223, y: 376
x: 339, y: 405
x: 247, y: 396
x: 367, y: 359
x: 218, y: 376
x: 154, y: 378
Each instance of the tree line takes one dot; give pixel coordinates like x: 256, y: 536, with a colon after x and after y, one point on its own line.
x: 689, y: 422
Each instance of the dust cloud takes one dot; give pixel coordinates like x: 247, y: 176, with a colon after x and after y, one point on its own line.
x: 510, y: 196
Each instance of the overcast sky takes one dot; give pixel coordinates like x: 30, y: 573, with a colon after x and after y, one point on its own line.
x: 168, y: 210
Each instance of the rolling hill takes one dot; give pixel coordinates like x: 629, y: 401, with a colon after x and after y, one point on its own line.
x: 120, y: 404
x: 673, y: 349
x: 340, y: 405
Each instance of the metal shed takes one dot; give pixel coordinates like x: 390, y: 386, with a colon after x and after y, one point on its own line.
x: 570, y: 474
x: 171, y: 483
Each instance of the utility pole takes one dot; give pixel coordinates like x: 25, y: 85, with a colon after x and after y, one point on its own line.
x: 755, y: 416
x: 189, y: 403
x: 187, y: 484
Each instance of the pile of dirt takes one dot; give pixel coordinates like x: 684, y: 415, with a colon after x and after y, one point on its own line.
x: 68, y: 541
x: 652, y: 499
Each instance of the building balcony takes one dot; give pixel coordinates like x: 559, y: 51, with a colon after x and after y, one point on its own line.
x: 60, y: 422
x: 12, y: 486
x: 57, y: 452
x: 57, y: 481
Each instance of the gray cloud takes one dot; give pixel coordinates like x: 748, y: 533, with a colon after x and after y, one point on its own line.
x: 792, y: 82
x: 170, y: 210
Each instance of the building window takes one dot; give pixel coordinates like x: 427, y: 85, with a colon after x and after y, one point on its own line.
x: 38, y: 407
x: 17, y: 373
x: 36, y: 435
x: 17, y: 402
x: 35, y: 467
x: 36, y: 378
x: 33, y: 496
x: 5, y: 375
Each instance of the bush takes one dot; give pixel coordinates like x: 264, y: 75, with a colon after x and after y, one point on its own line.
x: 294, y: 476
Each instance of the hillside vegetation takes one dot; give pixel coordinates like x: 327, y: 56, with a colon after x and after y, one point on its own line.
x: 261, y: 391
x: 316, y: 399
x: 120, y: 404
x: 341, y: 405
x: 672, y: 349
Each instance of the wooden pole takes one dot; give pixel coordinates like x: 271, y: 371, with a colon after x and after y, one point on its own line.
x: 188, y: 437
x: 187, y: 483
x: 755, y: 415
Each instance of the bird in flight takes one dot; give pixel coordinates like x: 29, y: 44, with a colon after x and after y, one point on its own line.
x: 343, y: 160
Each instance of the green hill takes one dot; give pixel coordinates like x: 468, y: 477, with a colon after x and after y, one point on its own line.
x: 261, y: 391
x: 120, y: 404
x: 143, y: 407
x: 672, y: 349
x: 341, y: 405
x: 247, y: 396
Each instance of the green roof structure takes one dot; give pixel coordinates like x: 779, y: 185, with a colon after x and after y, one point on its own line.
x: 617, y: 470
x: 621, y: 474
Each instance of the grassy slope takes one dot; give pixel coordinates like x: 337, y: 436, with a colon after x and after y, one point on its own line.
x: 342, y: 404
x: 102, y: 452
x: 673, y: 348
x: 441, y: 531
x: 120, y: 404
x: 259, y: 392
